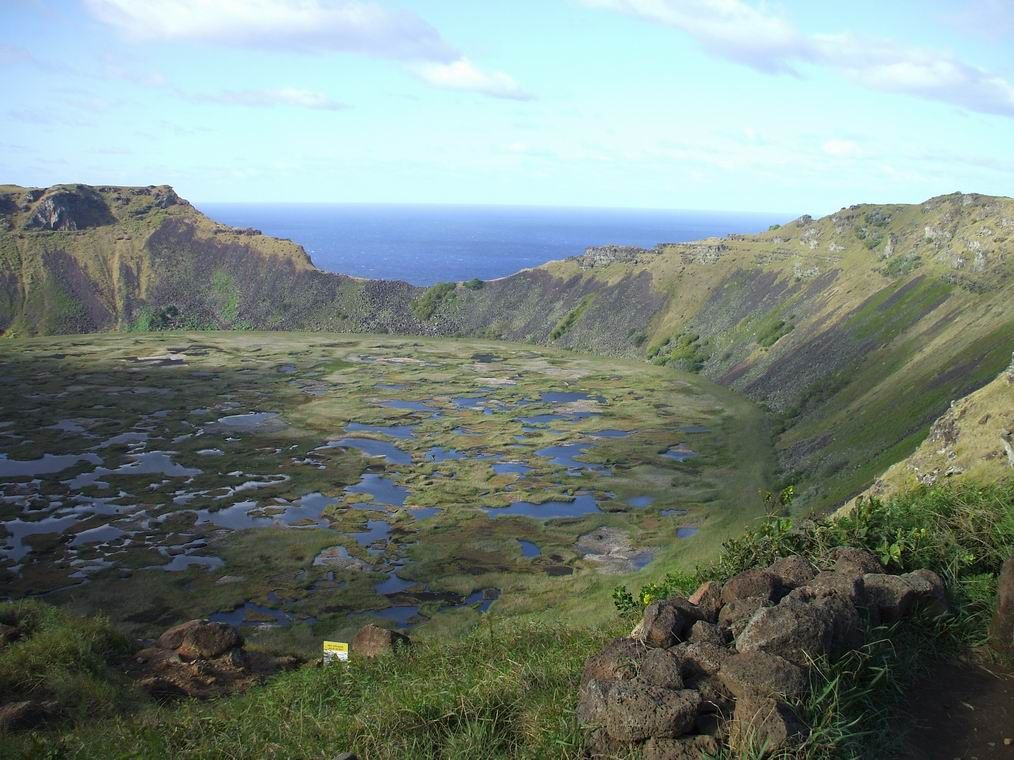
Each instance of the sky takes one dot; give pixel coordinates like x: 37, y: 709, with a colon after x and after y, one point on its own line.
x: 733, y: 105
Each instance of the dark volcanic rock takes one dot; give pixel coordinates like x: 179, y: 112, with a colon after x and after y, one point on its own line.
x: 930, y: 593
x: 764, y: 722
x: 792, y: 572
x: 890, y: 595
x: 701, y: 659
x: 668, y: 622
x: 26, y: 714
x: 851, y: 561
x: 684, y: 748
x: 637, y: 711
x: 847, y: 629
x: 762, y: 674
x: 751, y: 583
x: 708, y: 598
x: 797, y: 632
x: 617, y: 661
x: 372, y: 640
x: 200, y: 638
x: 703, y: 632
x: 736, y: 614
x: 848, y: 586
x: 591, y: 703
x: 202, y: 659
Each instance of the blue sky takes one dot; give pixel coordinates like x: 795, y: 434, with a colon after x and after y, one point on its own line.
x: 699, y: 104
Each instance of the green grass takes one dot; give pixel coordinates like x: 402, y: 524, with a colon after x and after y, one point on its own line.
x: 63, y: 659
x: 506, y: 690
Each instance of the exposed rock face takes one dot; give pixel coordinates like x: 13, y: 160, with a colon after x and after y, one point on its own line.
x: 70, y: 209
x: 612, y: 551
x: 605, y: 255
x: 372, y: 641
x: 202, y: 659
x: 726, y: 664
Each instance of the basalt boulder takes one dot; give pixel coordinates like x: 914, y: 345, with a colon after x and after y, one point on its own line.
x: 798, y: 633
x: 792, y: 572
x: 667, y: 622
x: 751, y: 583
x: 373, y: 641
x: 849, y: 560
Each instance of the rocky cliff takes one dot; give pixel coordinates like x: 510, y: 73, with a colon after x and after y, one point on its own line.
x: 857, y: 330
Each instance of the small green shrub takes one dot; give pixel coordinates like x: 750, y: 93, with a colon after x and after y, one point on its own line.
x: 901, y: 265
x: 962, y: 532
x: 474, y: 284
x: 426, y: 305
x: 564, y: 325
x: 773, y: 331
x: 683, y: 351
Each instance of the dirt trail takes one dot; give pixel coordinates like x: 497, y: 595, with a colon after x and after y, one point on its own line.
x: 961, y: 711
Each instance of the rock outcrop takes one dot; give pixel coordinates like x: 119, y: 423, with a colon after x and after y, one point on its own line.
x: 372, y: 641
x: 202, y: 659
x: 729, y: 665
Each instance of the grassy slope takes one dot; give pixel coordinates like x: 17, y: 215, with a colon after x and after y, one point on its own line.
x: 965, y: 444
x: 857, y: 329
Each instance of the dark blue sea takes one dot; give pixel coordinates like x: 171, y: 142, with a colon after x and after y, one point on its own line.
x: 429, y: 244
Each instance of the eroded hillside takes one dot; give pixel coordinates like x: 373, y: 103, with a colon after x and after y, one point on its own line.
x: 856, y: 330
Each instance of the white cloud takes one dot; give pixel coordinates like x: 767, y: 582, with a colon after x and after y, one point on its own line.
x: 841, y: 148
x: 753, y: 36
x: 285, y: 96
x: 308, y: 26
x: 756, y: 36
x: 295, y: 25
x: 462, y: 74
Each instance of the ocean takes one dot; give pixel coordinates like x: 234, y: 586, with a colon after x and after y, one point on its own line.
x: 429, y: 244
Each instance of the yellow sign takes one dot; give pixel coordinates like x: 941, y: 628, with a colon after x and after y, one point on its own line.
x: 335, y: 650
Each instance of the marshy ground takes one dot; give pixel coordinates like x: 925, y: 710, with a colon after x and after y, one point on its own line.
x: 300, y: 485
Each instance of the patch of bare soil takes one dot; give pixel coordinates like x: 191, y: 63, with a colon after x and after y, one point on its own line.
x: 961, y: 711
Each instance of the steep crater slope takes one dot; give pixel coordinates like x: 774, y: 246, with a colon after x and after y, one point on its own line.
x: 856, y: 330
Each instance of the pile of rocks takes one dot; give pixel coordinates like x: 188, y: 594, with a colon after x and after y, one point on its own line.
x: 725, y: 665
x: 203, y: 659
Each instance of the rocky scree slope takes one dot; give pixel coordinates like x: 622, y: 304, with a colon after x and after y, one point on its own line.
x: 856, y: 330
